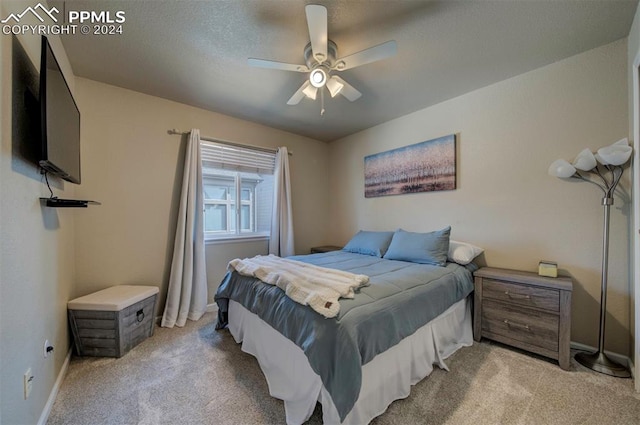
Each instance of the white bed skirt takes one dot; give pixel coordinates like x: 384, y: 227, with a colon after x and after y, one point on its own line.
x: 387, y: 377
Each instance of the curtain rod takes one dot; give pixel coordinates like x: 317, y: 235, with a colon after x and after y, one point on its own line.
x: 227, y: 142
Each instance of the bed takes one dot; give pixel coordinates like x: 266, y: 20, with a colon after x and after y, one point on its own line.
x: 410, y: 317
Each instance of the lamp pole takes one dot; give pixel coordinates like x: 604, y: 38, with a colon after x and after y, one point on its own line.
x: 606, y: 203
x: 599, y: 361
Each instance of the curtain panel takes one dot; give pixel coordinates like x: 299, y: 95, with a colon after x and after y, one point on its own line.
x: 187, y: 293
x: 281, y: 240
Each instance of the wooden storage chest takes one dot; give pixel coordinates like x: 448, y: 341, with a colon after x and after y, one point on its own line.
x: 111, y: 322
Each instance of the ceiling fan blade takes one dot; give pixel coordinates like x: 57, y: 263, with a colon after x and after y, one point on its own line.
x: 299, y: 94
x: 372, y: 54
x: 347, y: 89
x: 317, y: 22
x: 262, y: 63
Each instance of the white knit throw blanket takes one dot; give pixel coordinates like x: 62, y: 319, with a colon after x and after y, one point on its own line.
x: 307, y: 284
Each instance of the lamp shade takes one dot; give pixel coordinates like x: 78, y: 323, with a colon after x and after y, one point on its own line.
x: 310, y: 91
x: 600, y: 159
x: 615, y: 154
x: 334, y: 86
x: 562, y: 169
x: 585, y: 161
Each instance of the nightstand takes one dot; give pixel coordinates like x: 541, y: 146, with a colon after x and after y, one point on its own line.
x: 524, y: 310
x: 325, y: 248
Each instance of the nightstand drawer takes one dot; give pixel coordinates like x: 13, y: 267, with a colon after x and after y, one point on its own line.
x: 528, y: 296
x: 533, y: 327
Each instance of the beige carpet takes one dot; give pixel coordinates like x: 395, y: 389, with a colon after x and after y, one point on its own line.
x: 197, y: 375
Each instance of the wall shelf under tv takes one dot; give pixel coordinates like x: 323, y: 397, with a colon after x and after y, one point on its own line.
x: 67, y: 203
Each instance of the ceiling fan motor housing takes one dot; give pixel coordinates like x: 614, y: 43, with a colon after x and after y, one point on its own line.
x: 329, y: 62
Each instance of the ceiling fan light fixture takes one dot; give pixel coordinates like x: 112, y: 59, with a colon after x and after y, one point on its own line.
x: 318, y: 78
x: 310, y: 91
x: 334, y: 86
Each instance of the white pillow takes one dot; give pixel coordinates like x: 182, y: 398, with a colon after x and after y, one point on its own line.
x: 462, y: 252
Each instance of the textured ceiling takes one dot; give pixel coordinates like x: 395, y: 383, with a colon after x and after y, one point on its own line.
x: 195, y: 52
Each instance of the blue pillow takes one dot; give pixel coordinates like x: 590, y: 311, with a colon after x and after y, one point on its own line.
x: 369, y: 243
x: 423, y: 248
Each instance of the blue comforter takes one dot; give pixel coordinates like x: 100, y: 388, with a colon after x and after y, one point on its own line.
x: 401, y: 298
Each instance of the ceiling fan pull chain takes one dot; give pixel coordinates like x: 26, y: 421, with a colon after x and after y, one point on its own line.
x: 322, y: 102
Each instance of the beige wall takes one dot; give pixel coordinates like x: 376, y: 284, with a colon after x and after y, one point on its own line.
x: 219, y: 254
x: 37, y: 249
x: 134, y: 168
x: 508, y: 134
x: 634, y: 118
x: 633, y: 50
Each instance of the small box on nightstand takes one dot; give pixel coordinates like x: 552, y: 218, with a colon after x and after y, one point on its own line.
x: 548, y: 268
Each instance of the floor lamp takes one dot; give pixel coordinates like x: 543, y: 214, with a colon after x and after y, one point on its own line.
x: 606, y: 168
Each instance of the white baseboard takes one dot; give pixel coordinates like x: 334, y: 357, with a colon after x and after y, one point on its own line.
x: 620, y: 358
x: 211, y: 308
x: 54, y: 391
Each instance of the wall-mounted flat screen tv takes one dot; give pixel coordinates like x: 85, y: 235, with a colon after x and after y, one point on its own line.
x: 60, y: 120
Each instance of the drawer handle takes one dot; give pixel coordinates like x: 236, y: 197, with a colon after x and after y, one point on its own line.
x: 517, y: 296
x: 140, y: 315
x: 508, y: 323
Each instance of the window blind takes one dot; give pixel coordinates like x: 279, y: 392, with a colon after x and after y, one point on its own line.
x: 221, y: 156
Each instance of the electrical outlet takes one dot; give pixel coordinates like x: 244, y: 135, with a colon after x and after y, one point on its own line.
x: 28, y: 383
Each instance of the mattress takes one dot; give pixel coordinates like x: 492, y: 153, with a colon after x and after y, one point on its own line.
x: 402, y: 297
x: 388, y: 377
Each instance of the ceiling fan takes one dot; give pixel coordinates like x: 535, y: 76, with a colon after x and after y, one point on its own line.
x: 321, y: 59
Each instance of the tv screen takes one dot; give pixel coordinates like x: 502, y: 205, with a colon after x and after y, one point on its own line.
x: 60, y: 120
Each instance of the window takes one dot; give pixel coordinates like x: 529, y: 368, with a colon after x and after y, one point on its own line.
x: 238, y: 190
